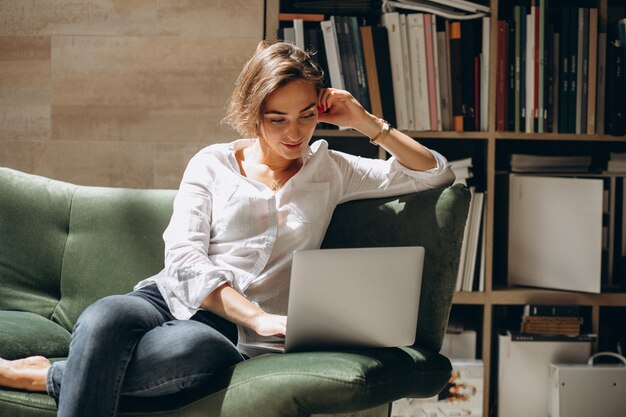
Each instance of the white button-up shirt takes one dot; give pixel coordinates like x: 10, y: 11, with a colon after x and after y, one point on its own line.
x: 227, y: 228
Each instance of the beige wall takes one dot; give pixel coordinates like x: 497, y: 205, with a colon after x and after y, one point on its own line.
x: 118, y: 92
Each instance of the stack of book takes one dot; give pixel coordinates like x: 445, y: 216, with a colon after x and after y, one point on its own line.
x: 546, y: 163
x: 471, y: 273
x: 557, y: 72
x: 551, y: 320
x: 462, y: 169
x: 617, y: 163
x: 418, y: 71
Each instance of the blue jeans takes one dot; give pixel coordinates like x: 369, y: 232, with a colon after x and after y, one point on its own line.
x: 132, y: 345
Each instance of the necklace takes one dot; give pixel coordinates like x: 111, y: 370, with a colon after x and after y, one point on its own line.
x: 277, y: 183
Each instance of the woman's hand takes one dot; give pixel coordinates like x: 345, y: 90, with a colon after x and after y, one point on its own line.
x: 270, y: 325
x: 340, y: 108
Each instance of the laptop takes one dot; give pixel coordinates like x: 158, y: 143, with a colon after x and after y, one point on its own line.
x: 351, y: 298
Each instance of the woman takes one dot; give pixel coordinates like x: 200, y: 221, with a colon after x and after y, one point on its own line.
x: 241, y: 210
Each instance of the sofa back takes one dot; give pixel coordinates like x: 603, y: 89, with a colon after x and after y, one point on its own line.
x: 434, y: 219
x: 64, y: 246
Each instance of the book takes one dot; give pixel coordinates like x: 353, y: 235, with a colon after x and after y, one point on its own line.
x: 615, y: 123
x: 539, y: 310
x: 391, y: 21
x: 369, y: 56
x: 501, y: 77
x: 385, y: 75
x: 361, y: 77
x: 445, y: 79
x: 455, y: 68
x: 289, y: 17
x: 484, y: 74
x: 332, y: 54
x: 408, y: 80
x: 523, y: 337
x: 431, y: 77
x: 419, y: 71
x: 593, y: 71
x: 438, y: 120
x: 600, y: 92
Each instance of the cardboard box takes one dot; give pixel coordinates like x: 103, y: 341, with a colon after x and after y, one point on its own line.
x: 587, y: 390
x: 524, y: 373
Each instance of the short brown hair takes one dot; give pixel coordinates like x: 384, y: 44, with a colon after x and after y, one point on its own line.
x: 273, y: 65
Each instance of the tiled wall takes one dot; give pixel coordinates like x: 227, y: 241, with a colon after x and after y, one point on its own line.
x: 118, y: 92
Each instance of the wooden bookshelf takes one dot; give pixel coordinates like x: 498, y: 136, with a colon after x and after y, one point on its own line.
x: 496, y: 296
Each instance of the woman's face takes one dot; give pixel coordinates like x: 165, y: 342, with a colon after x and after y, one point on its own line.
x: 289, y: 119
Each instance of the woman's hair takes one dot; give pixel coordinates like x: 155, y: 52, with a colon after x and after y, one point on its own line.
x: 273, y: 65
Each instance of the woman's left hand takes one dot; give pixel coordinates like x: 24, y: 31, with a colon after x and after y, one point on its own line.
x: 339, y: 107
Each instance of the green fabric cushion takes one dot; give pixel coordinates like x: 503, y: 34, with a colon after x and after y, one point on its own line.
x: 27, y: 334
x: 115, y: 240
x: 34, y: 214
x: 296, y: 384
x: 434, y: 219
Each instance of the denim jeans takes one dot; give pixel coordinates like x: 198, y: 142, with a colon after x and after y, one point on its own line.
x: 132, y: 345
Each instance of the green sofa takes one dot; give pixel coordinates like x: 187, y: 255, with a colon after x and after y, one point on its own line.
x: 63, y: 246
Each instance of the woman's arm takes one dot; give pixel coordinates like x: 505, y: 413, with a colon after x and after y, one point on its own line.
x: 340, y: 108
x: 226, y: 302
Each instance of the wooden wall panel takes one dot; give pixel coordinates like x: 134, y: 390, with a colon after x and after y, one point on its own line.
x: 118, y: 92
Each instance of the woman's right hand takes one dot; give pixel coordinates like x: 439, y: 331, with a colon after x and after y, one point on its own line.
x: 270, y: 325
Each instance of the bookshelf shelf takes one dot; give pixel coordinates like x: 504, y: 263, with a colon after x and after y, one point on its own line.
x: 414, y: 134
x: 557, y: 137
x: 490, y: 150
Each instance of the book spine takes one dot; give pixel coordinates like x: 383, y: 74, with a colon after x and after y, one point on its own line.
x: 523, y: 70
x: 484, y: 74
x: 564, y: 76
x: 391, y: 21
x: 601, y: 93
x: 536, y: 91
x: 530, y: 71
x: 361, y: 76
x: 580, y: 70
x: 501, y: 80
x: 369, y: 57
x: 584, y: 107
x: 438, y: 120
x: 541, y: 73
x: 385, y: 76
x: 443, y: 53
x: 593, y: 71
x: 455, y: 68
x: 406, y: 60
x: 332, y: 54
x: 556, y: 73
x: 510, y: 99
x: 518, y: 65
x: 419, y: 72
x: 573, y: 78
x: 430, y: 71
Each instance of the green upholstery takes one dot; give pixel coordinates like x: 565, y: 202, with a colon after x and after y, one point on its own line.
x: 63, y: 246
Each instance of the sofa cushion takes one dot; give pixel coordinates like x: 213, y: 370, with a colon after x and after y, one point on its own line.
x: 27, y: 334
x: 294, y: 384
x: 34, y: 216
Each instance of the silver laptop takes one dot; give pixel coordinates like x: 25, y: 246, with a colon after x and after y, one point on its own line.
x: 346, y: 298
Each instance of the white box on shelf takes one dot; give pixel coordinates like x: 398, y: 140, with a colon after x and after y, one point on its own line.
x: 524, y: 373
x: 555, y: 232
x: 459, y: 345
x: 587, y: 390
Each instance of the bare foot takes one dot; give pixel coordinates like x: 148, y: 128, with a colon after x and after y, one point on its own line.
x: 27, y: 374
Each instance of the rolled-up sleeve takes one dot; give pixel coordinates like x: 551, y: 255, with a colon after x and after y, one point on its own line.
x: 372, y: 178
x: 187, y: 239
